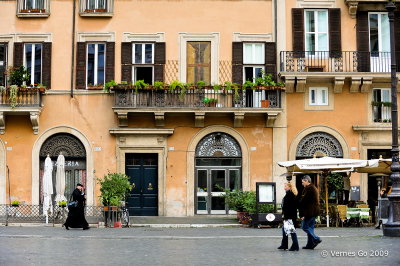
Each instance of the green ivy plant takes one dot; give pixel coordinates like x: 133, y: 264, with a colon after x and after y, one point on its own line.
x: 109, y: 85
x: 200, y: 84
x: 158, y: 85
x: 13, y: 95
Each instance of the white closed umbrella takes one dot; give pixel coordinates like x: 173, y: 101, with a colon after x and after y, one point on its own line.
x: 60, y: 179
x: 47, y: 187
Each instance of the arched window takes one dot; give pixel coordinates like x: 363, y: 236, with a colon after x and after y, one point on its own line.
x: 319, y: 144
x: 218, y: 167
x: 75, y: 161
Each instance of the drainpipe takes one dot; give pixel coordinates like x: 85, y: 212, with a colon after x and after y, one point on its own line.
x: 275, y: 21
x: 73, y: 49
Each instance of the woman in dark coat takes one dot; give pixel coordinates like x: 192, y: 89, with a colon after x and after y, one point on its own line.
x: 76, y: 215
x: 289, y: 211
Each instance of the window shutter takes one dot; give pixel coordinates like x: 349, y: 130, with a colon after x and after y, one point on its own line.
x: 126, y: 61
x: 335, y: 36
x: 81, y: 65
x: 110, y: 61
x: 237, y: 62
x: 363, y: 42
x: 270, y: 59
x: 397, y: 38
x: 18, y: 54
x: 298, y: 31
x: 159, y: 61
x: 159, y: 53
x: 46, y: 65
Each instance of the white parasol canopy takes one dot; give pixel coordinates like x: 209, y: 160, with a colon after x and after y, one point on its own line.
x: 382, y: 166
x: 318, y: 165
x: 325, y: 165
x: 47, y: 186
x: 60, y: 178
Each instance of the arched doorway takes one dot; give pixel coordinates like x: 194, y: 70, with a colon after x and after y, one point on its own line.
x: 75, y: 161
x: 317, y: 144
x: 218, y: 166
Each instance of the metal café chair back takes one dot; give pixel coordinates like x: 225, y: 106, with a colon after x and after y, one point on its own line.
x: 342, y: 213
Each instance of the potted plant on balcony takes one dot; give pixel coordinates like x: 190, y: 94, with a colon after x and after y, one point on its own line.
x: 15, y: 203
x: 210, y: 102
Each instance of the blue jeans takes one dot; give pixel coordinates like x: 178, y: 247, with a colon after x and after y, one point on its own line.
x: 308, y: 225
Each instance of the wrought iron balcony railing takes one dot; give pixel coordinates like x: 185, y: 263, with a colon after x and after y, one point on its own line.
x: 199, y: 98
x: 340, y: 61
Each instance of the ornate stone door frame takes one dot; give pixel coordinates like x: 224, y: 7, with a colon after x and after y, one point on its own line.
x: 89, y: 161
x: 191, y: 161
x: 144, y: 140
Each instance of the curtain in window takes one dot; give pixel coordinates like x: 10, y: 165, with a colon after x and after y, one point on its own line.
x: 198, y: 62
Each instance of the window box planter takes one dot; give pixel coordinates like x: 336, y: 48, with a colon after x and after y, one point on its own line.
x: 98, y: 10
x: 33, y: 10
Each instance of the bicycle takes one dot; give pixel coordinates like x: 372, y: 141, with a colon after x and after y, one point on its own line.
x: 124, y: 216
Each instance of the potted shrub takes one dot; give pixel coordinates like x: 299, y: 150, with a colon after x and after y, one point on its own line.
x: 113, y: 188
x: 15, y: 203
x: 62, y: 203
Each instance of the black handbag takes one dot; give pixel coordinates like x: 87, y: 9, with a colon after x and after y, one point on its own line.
x: 72, y: 204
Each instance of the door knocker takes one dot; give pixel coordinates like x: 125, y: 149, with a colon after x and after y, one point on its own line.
x: 150, y: 187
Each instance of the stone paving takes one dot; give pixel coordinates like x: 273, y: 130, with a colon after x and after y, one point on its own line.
x: 191, y: 246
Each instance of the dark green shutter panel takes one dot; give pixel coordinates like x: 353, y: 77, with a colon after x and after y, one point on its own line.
x: 237, y: 62
x: 397, y: 38
x: 46, y: 65
x: 126, y: 61
x: 362, y: 32
x: 335, y: 36
x: 18, y: 54
x: 270, y: 59
x: 110, y: 61
x: 298, y: 31
x: 159, y: 61
x: 81, y: 65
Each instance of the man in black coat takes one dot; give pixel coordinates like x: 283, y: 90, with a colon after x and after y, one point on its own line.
x: 76, y: 215
x: 309, y: 210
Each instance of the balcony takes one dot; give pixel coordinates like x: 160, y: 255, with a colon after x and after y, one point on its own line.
x: 362, y: 68
x: 26, y: 102
x: 200, y: 102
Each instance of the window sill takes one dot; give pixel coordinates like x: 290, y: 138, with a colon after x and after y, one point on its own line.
x: 96, y: 14
x: 33, y: 14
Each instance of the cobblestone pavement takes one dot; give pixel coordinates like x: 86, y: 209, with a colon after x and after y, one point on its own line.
x: 191, y: 246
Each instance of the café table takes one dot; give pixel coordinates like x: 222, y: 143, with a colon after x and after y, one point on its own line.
x: 358, y: 214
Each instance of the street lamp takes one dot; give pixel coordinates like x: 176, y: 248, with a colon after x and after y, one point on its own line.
x: 392, y: 227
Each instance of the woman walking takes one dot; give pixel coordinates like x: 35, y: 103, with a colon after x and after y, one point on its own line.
x: 289, y: 211
x: 76, y: 215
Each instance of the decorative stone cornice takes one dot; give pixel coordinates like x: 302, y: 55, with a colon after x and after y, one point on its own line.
x: 142, y: 131
x: 199, y: 119
x: 35, y: 122
x: 339, y: 82
x: 159, y: 119
x: 271, y: 118
x: 353, y: 5
x: 366, y: 84
x: 239, y: 118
